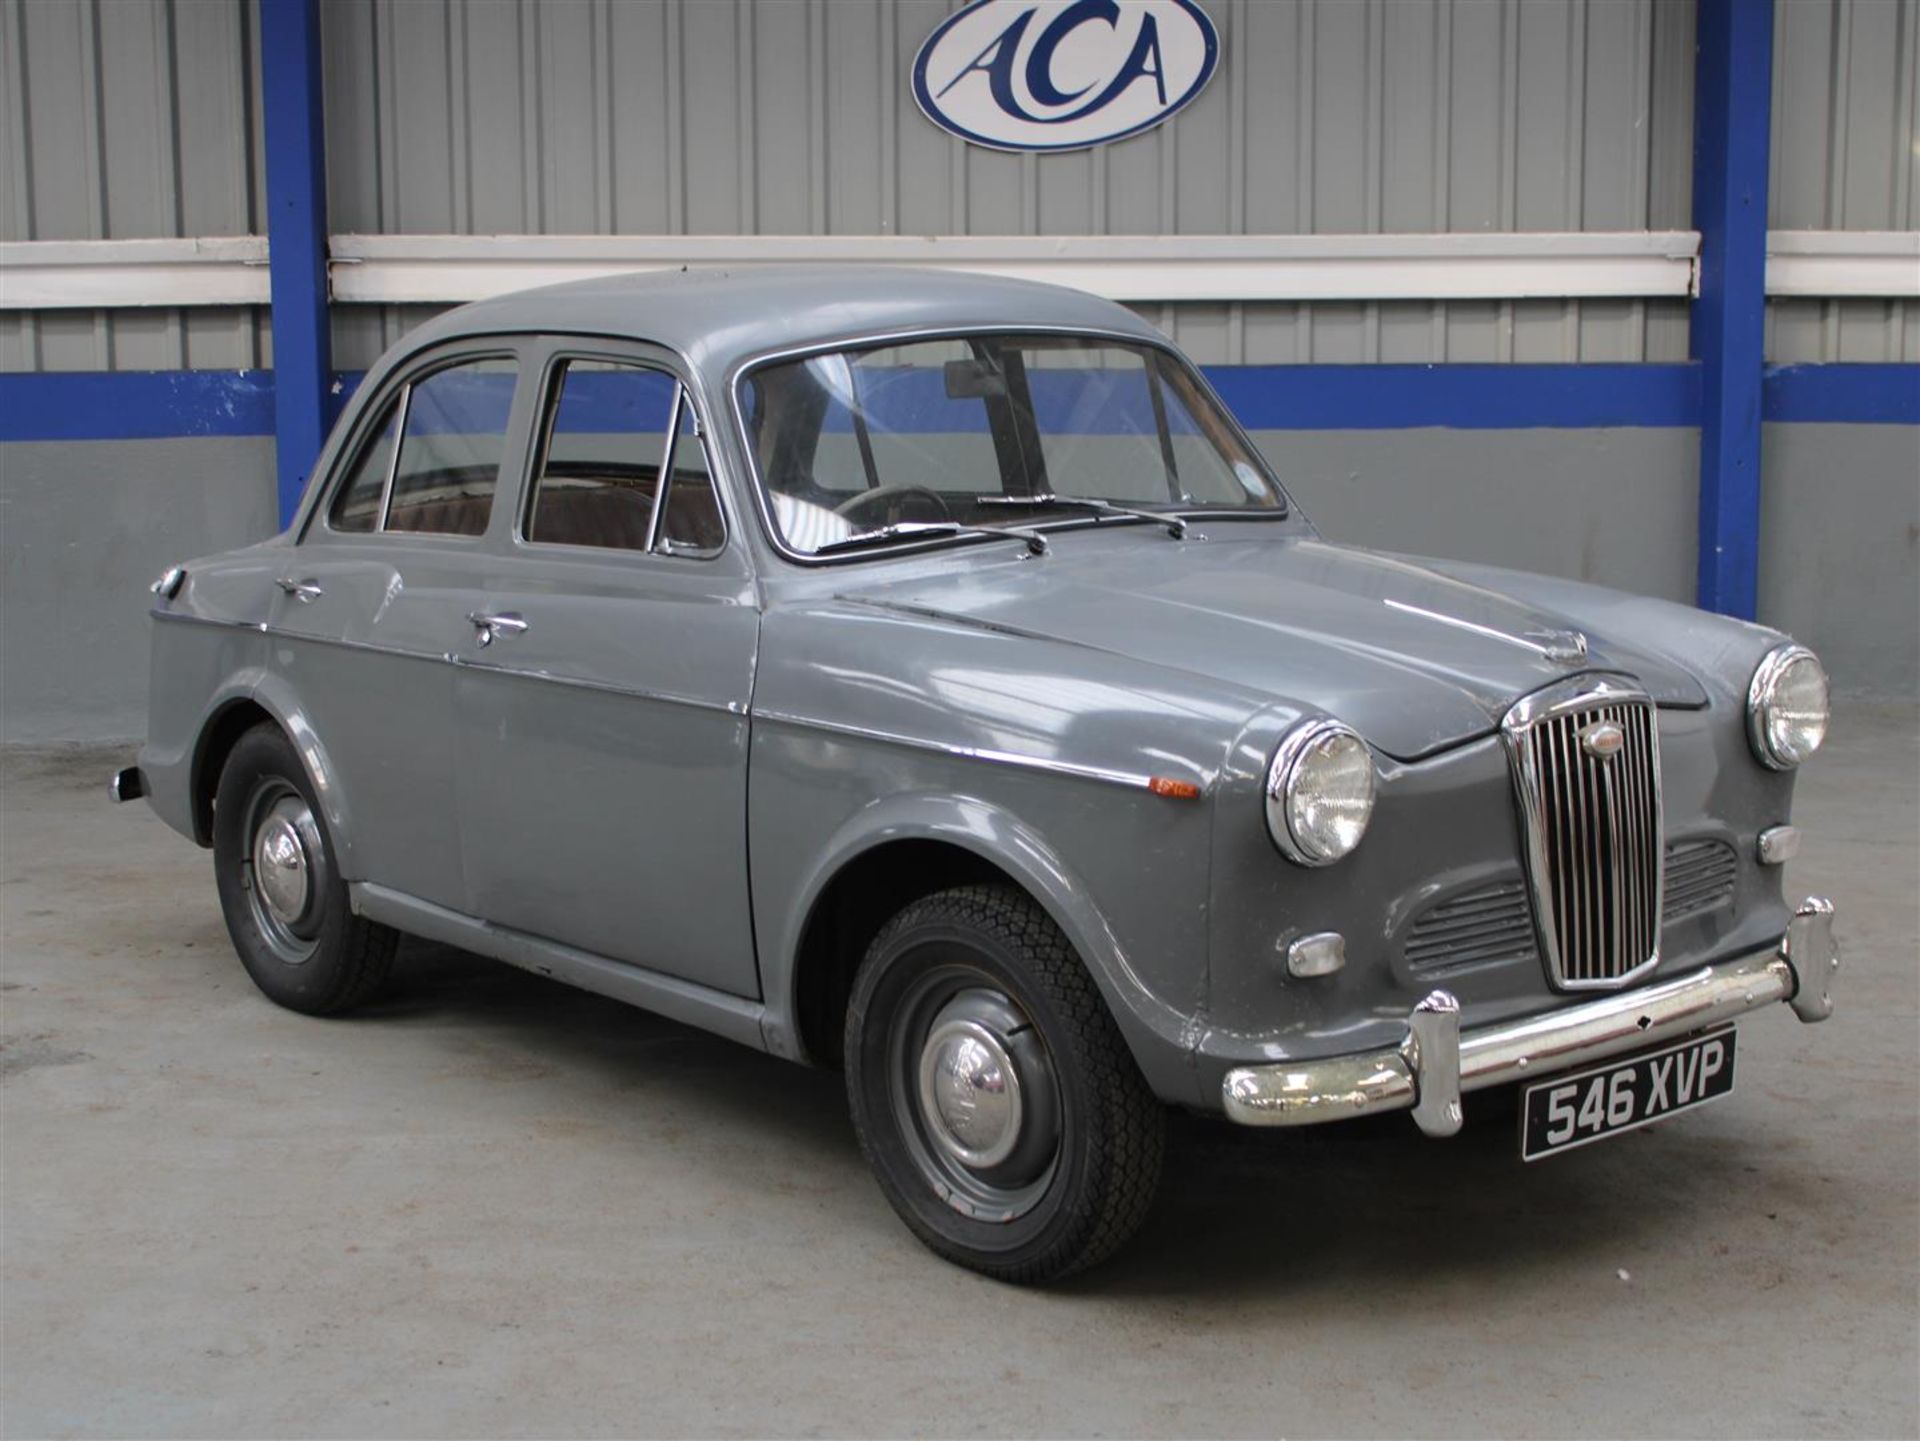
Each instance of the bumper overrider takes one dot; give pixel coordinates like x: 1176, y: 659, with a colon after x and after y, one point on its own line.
x: 1437, y: 1062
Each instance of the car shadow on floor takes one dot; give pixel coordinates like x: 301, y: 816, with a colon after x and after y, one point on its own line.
x: 1238, y: 1211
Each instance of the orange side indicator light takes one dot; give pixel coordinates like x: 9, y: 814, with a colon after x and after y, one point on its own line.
x: 1172, y: 789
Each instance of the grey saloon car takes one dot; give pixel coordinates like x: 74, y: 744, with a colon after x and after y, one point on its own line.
x: 924, y: 675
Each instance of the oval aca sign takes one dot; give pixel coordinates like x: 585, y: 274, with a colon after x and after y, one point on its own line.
x: 1063, y: 74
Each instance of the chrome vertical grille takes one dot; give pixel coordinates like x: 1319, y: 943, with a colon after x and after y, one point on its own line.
x: 1586, y: 767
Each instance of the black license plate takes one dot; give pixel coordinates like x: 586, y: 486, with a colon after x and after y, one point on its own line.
x: 1571, y: 1111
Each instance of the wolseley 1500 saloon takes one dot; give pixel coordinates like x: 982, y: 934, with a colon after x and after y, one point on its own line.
x: 924, y: 675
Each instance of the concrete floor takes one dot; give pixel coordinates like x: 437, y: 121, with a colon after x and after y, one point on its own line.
x: 496, y: 1206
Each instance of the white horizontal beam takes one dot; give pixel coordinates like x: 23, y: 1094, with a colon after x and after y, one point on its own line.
x: 1831, y: 264
x: 110, y: 274
x: 439, y: 269
x: 442, y: 269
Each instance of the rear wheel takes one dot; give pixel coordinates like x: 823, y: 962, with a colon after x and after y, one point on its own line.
x: 285, y: 904
x: 992, y: 1092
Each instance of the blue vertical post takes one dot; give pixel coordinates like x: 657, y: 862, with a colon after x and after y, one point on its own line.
x: 1733, y: 84
x: 296, y: 238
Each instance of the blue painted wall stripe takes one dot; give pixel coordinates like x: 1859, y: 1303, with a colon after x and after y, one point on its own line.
x: 1459, y: 397
x: 1842, y: 394
x: 164, y: 404
x: 135, y: 404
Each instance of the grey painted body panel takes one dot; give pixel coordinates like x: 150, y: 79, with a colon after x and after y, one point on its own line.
x: 1413, y: 658
x: 367, y: 659
x: 604, y: 756
x: 606, y: 783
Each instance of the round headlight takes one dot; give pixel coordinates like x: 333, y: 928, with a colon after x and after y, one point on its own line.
x: 1319, y: 792
x: 1787, y: 707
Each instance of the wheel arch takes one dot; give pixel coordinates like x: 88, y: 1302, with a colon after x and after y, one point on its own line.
x: 266, y: 699
x: 907, y: 847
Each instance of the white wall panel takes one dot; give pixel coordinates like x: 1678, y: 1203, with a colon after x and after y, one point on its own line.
x: 795, y: 117
x: 139, y: 118
x: 1846, y: 156
x: 125, y: 120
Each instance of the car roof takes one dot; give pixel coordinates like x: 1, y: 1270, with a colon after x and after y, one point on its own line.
x: 718, y: 318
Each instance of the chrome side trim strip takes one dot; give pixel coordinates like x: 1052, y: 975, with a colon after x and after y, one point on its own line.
x: 604, y: 687
x: 1133, y: 780
x: 449, y: 658
x: 186, y: 618
x: 735, y: 1017
x: 335, y: 642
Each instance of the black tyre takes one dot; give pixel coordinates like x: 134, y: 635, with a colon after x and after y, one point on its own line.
x: 285, y: 904
x: 992, y: 1092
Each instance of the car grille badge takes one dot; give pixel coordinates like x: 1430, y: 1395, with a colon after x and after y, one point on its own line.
x: 1602, y: 740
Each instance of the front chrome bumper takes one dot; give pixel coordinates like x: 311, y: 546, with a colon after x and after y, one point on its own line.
x: 1436, y: 1063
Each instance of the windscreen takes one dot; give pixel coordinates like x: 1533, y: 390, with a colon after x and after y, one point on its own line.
x: 990, y: 430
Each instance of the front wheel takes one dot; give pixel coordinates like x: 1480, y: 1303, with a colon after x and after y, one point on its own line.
x: 285, y: 904
x: 992, y: 1092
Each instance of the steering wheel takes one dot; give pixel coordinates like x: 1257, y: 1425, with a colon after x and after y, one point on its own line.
x: 885, y: 504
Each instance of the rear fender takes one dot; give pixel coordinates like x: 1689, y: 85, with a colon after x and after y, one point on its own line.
x: 277, y: 698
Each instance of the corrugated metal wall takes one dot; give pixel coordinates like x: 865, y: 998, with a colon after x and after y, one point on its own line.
x: 126, y: 119
x: 1846, y: 156
x: 794, y: 117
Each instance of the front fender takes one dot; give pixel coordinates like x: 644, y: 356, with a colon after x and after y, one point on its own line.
x: 1158, y: 1034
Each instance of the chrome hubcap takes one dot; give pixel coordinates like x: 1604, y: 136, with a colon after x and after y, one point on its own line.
x: 977, y: 1098
x: 285, y: 871
x: 280, y: 867
x: 970, y: 1093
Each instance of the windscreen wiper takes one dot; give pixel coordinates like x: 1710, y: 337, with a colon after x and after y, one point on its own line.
x: 1176, y: 525
x: 1035, y: 542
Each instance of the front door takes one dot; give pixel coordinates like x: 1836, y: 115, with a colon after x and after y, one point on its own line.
x: 602, y: 692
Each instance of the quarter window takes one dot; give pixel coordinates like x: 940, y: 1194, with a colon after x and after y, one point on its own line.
x: 450, y: 446
x: 358, y: 507
x: 600, y: 471
x: 690, y: 521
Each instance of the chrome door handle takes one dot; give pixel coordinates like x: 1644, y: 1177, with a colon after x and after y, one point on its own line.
x: 492, y: 626
x: 301, y: 590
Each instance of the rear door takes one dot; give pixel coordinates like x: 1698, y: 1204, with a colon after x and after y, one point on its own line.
x: 374, y: 601
x: 602, y: 711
